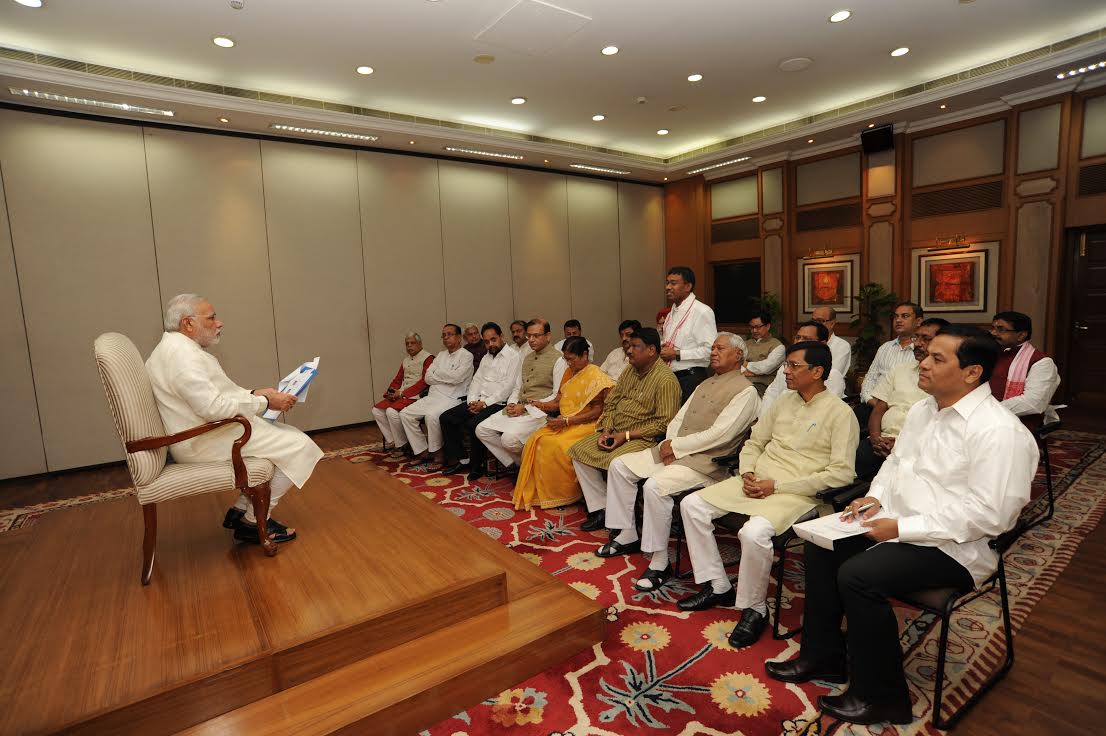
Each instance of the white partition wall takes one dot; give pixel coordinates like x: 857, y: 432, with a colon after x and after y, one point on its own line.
x: 539, y: 247
x: 401, y: 232
x: 593, y: 256
x: 80, y: 223
x: 313, y: 220
x: 208, y: 209
x: 641, y: 251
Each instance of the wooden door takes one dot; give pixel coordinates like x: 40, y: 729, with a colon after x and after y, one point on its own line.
x: 1086, y: 370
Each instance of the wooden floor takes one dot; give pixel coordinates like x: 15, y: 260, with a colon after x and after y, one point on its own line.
x: 1055, y: 686
x: 221, y: 626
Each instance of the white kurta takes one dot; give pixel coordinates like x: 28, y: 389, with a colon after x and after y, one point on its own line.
x: 890, y: 355
x: 191, y: 389
x: 694, y: 338
x: 615, y: 363
x: 493, y: 379
x: 842, y: 353
x: 835, y: 384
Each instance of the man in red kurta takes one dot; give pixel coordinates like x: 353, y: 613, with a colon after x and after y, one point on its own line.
x: 404, y: 390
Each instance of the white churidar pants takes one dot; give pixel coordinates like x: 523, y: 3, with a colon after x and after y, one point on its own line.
x: 658, y: 490
x: 428, y: 408
x: 505, y: 436
x: 592, y: 484
x: 391, y: 426
x: 756, y: 550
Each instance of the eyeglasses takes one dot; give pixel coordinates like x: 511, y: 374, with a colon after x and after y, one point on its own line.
x: 1003, y: 329
x: 793, y: 366
x: 921, y: 338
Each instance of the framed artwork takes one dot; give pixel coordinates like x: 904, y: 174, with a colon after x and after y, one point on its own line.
x: 828, y: 283
x: 953, y: 282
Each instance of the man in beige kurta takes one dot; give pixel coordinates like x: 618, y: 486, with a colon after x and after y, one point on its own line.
x: 711, y: 424
x: 805, y: 443
x: 635, y: 412
x: 191, y: 388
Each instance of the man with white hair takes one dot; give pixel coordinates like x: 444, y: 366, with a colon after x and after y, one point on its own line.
x: 840, y: 348
x: 710, y: 424
x: 404, y: 390
x: 191, y: 389
x: 474, y: 343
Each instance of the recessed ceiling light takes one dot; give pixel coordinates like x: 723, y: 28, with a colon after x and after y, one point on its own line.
x: 411, y: 142
x: 797, y: 64
x: 662, y: 131
x: 223, y: 42
x: 224, y: 120
x: 477, y: 152
x: 810, y: 140
x: 122, y: 106
x: 666, y: 178
x: 719, y: 165
x: 30, y: 3
x: 759, y: 98
x: 320, y: 131
x: 518, y: 100
x: 871, y: 125
x: 900, y: 51
x: 598, y: 118
x: 839, y: 16
x: 610, y: 50
x: 944, y: 106
x: 364, y: 70
x: 547, y: 160
x: 600, y: 169
x: 695, y: 78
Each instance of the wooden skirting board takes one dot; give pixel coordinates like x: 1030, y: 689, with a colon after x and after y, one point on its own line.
x: 386, y: 615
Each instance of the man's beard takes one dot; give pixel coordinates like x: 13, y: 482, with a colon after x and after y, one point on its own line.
x: 494, y: 351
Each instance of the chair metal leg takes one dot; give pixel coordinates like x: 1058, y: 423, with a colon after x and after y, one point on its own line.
x: 1043, y: 444
x: 149, y: 541
x: 781, y: 566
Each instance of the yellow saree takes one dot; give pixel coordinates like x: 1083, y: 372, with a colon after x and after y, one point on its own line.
x: 545, y: 477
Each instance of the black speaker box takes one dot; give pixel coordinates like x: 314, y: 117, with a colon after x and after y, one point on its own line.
x: 878, y: 139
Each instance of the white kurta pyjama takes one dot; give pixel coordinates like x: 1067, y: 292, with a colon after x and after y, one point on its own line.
x: 615, y: 363
x: 695, y: 338
x: 448, y: 377
x: 506, y: 436
x: 191, y: 389
x: 842, y: 353
x: 835, y: 384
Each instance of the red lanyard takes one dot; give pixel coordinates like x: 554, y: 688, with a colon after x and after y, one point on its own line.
x: 672, y: 339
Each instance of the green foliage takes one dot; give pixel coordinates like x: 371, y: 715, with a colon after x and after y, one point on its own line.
x: 874, y: 308
x: 770, y: 303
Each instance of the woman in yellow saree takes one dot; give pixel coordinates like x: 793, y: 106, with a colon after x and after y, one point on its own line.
x: 545, y: 477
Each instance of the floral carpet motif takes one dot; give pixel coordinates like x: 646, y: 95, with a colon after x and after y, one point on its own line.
x: 661, y: 670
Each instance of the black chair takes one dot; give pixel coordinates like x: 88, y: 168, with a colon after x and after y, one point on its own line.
x: 1041, y: 434
x: 943, y: 602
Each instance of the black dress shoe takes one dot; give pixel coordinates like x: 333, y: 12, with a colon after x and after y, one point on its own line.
x: 595, y: 521
x: 851, y: 708
x: 748, y: 629
x: 475, y: 475
x: 453, y: 469
x: 707, y: 598
x: 614, y: 549
x: 233, y: 517
x: 803, y: 670
x: 277, y: 533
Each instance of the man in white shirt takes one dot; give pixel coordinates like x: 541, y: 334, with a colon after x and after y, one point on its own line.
x: 487, y: 395
x: 899, y: 350
x: 840, y: 348
x: 711, y: 423
x: 810, y: 331
x: 958, y: 477
x: 448, y: 377
x: 573, y: 328
x: 618, y: 359
x: 191, y: 389
x: 518, y: 338
x: 1025, y: 378
x: 689, y: 331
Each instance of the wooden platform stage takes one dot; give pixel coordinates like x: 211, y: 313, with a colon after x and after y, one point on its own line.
x: 387, y: 615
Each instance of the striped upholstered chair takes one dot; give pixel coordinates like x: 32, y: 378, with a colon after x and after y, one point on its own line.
x: 142, y: 433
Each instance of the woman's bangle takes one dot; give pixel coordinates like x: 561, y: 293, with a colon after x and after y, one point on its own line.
x: 627, y: 435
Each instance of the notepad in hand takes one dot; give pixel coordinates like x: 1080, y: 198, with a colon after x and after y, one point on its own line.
x: 824, y: 531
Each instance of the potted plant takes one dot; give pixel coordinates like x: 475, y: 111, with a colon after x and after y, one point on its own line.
x: 874, y: 308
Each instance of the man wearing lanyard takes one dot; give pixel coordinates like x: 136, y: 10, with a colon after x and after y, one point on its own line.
x: 689, y: 331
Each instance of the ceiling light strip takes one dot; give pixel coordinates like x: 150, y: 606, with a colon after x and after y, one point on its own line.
x: 328, y: 133
x: 600, y: 169
x: 1083, y: 70
x: 732, y: 161
x: 121, y: 106
x: 492, y: 154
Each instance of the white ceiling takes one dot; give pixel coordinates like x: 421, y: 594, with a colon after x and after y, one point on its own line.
x: 422, y: 54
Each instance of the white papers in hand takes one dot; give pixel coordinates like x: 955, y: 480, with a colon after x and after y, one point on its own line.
x: 535, y: 412
x: 826, y: 530
x: 296, y: 383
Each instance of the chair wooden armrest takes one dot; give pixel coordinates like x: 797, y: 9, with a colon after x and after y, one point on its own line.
x: 840, y: 497
x: 241, y: 478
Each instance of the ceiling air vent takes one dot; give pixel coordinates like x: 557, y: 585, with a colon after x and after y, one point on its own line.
x: 957, y: 199
x: 825, y: 218
x: 724, y: 232
x: 1092, y: 180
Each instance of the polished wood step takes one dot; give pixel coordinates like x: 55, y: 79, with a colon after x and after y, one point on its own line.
x: 426, y: 680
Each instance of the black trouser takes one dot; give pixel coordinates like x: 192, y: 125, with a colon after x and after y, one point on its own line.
x: 689, y: 378
x: 867, y: 462
x: 855, y: 581
x: 458, y: 422
x: 863, y: 412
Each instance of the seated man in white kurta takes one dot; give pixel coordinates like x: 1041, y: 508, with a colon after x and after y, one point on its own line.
x: 711, y: 423
x: 835, y: 382
x: 804, y: 444
x: 448, y: 377
x: 618, y: 359
x: 191, y: 389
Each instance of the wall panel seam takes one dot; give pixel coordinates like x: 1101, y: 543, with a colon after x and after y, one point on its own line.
x: 618, y: 224
x: 153, y: 230
x: 510, y: 246
x: 269, y: 258
x: 364, y: 280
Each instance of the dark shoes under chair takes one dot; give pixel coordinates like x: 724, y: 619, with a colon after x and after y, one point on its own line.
x: 707, y: 598
x: 801, y: 670
x: 851, y: 708
x: 245, y: 532
x: 655, y: 578
x: 595, y: 521
x: 748, y: 629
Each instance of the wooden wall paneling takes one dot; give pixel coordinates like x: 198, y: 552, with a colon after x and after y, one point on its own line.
x: 968, y: 150
x: 476, y: 243
x: 1032, y: 246
x: 687, y: 219
x: 1038, y: 138
x: 208, y: 208
x: 642, y: 247
x: 1056, y: 303
x: 79, y: 212
x: 594, y: 260
x: 401, y: 235
x: 1087, y: 210
x: 827, y: 178
x: 313, y: 219
x: 540, y: 271
x: 21, y: 452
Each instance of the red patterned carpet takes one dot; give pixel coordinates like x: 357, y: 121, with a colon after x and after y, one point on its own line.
x: 664, y: 671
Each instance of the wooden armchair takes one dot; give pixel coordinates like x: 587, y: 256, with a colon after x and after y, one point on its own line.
x: 131, y: 399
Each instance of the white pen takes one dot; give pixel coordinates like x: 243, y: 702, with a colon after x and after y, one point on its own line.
x: 849, y: 514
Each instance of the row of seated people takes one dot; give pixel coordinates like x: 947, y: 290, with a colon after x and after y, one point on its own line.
x: 957, y: 475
